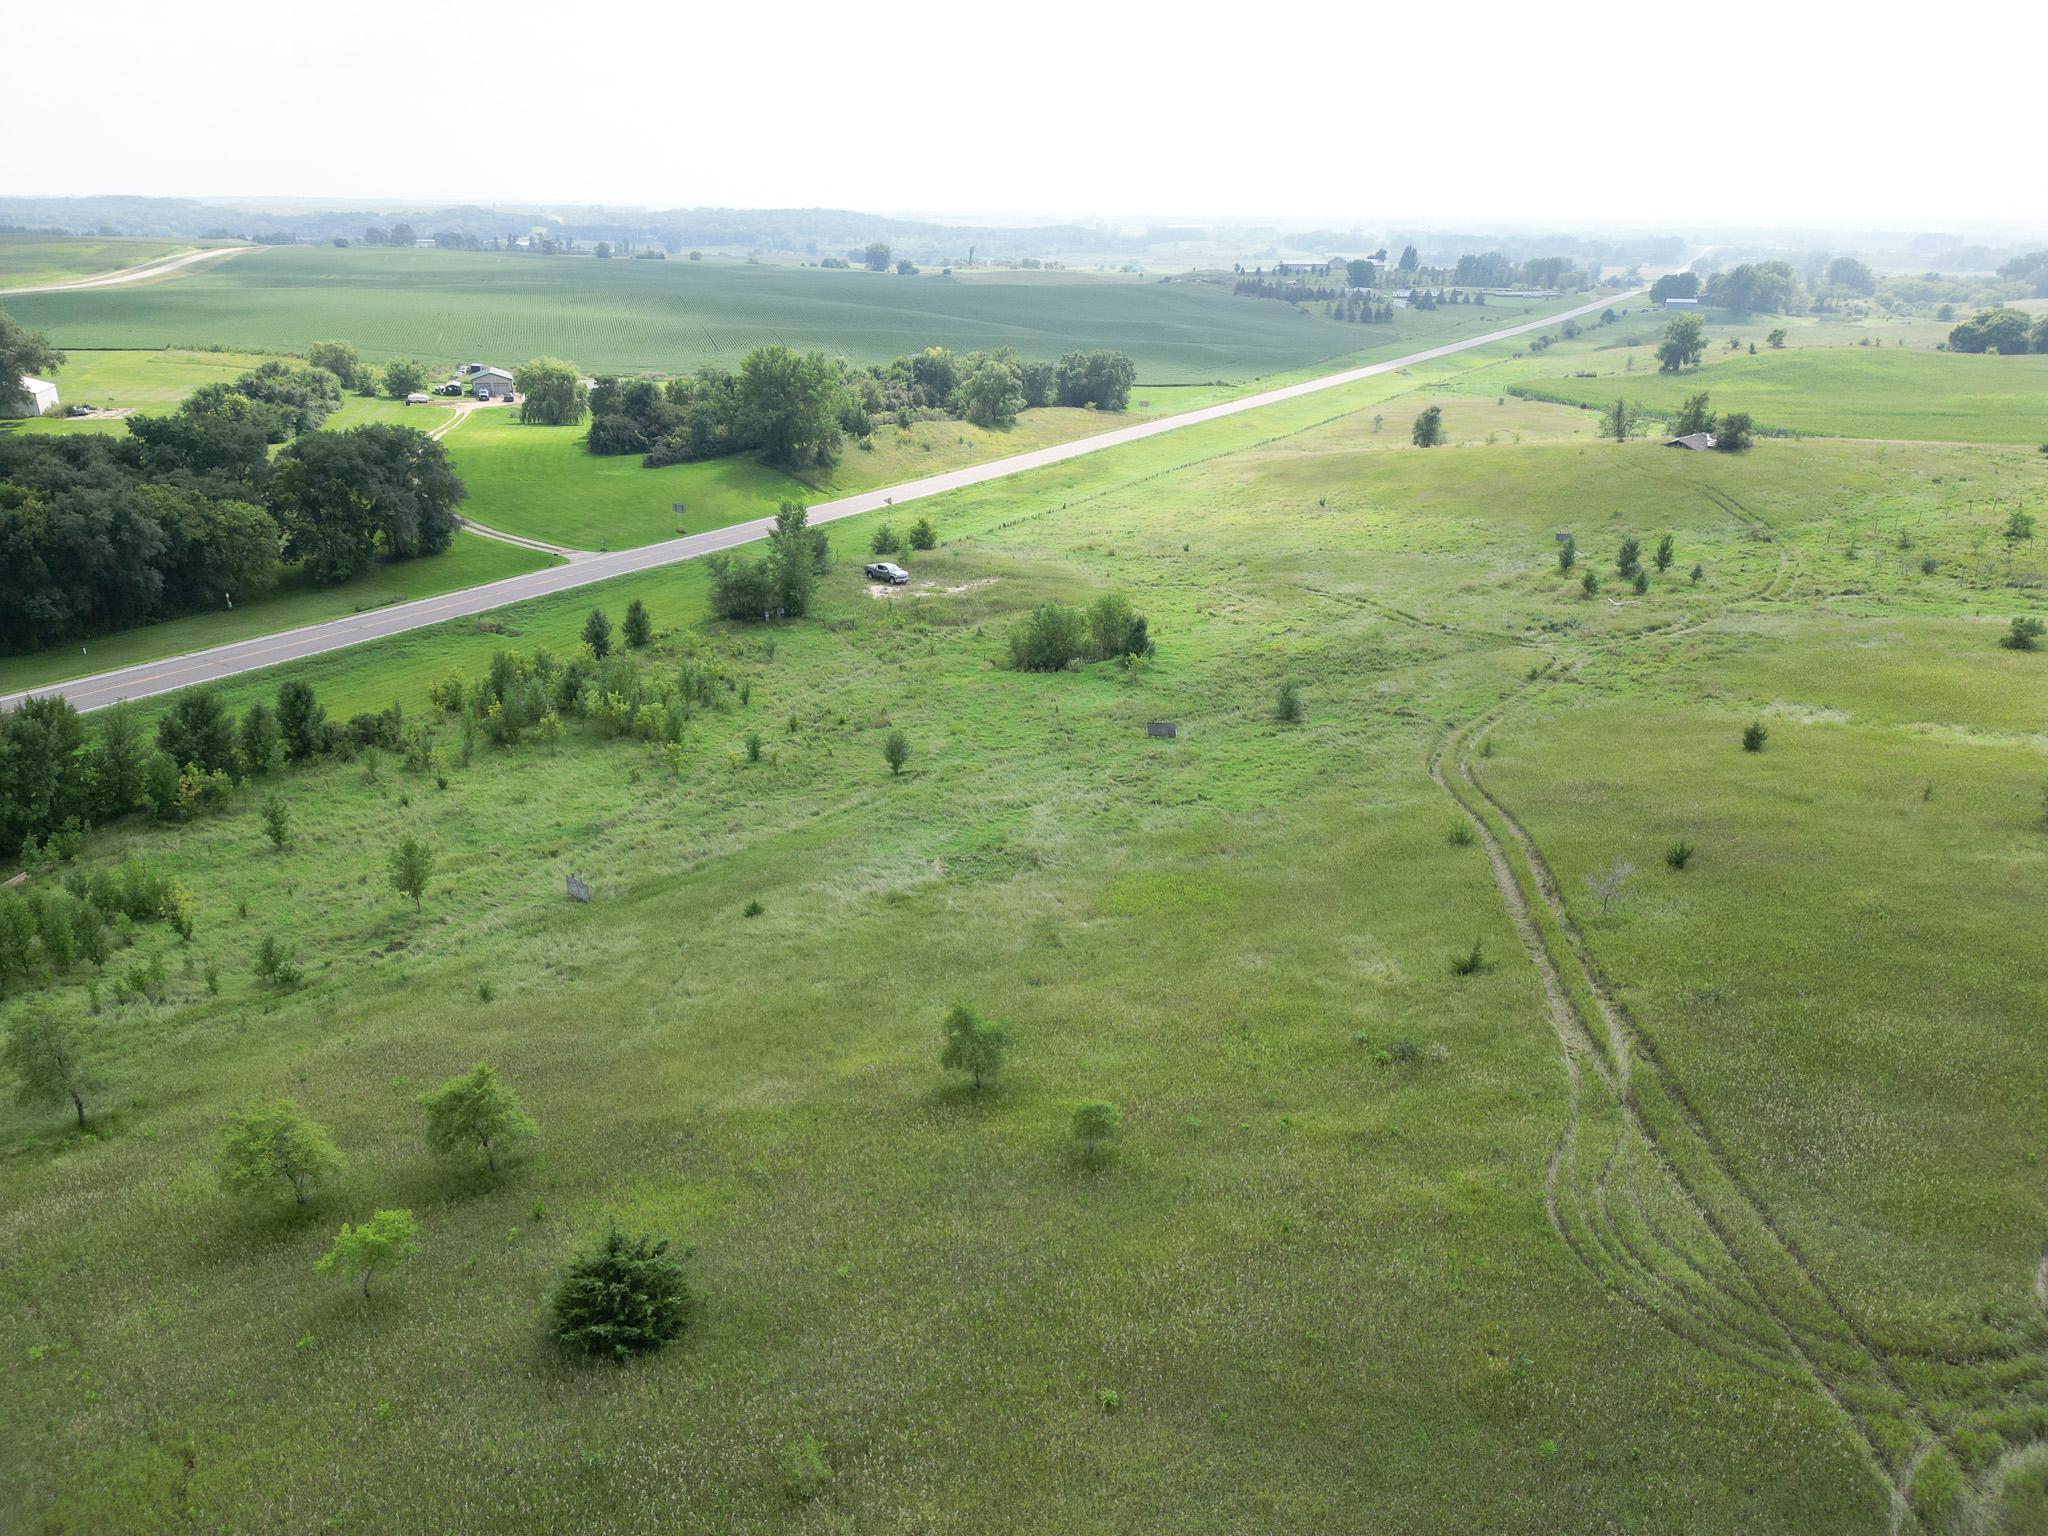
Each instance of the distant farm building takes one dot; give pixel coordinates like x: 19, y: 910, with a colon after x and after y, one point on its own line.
x: 42, y: 395
x: 495, y: 382
x: 1681, y: 303
x: 1698, y: 442
x: 423, y: 245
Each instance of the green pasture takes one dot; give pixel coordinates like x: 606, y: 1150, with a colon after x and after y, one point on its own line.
x: 1835, y: 389
x: 539, y: 481
x: 1369, y: 1256
x: 671, y: 316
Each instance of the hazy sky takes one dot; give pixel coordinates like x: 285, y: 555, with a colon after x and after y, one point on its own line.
x: 1788, y: 112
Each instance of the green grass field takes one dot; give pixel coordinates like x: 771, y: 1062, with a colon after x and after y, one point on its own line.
x: 1712, y: 1207
x: 539, y: 482
x: 27, y: 259
x: 1835, y: 389
x: 670, y: 316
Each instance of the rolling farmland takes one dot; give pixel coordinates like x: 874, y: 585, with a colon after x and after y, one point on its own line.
x: 671, y: 316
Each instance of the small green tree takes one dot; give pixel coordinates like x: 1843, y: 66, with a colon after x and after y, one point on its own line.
x: 1696, y: 415
x: 885, y: 541
x: 1287, y: 703
x: 1737, y: 432
x: 638, y: 628
x: 475, y: 1112
x: 1097, y: 1122
x: 1589, y: 583
x: 1567, y: 553
x: 1666, y: 552
x: 403, y: 377
x: 274, y: 1142
x: 1776, y: 338
x: 1754, y: 735
x: 624, y: 1298
x: 1614, y: 421
x: 1428, y: 431
x: 412, y: 866
x: 597, y: 633
x: 385, y: 1241
x: 973, y: 1044
x: 262, y: 746
x: 2020, y: 525
x: 1629, y: 556
x: 923, y: 535
x: 277, y: 822
x: 2025, y: 634
x: 275, y: 966
x: 896, y: 751
x: 43, y: 1053
x: 1699, y: 573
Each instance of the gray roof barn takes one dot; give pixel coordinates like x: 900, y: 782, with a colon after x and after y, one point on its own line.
x: 1698, y: 442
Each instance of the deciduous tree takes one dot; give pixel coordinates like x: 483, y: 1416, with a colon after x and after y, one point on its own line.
x: 973, y: 1045
x: 274, y: 1143
x: 475, y: 1112
x: 411, y: 865
x: 385, y: 1241
x: 49, y: 1065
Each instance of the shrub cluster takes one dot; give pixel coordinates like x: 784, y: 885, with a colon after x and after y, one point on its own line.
x: 1054, y: 636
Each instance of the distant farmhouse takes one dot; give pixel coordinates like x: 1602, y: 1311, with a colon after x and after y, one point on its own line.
x: 42, y: 395
x: 489, y: 383
x: 1681, y: 303
x: 1698, y: 442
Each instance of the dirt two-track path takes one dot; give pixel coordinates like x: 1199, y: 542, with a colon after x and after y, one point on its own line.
x: 223, y: 661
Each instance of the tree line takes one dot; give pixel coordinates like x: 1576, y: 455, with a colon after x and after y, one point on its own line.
x: 797, y: 409
x: 2003, y: 330
x: 189, y: 511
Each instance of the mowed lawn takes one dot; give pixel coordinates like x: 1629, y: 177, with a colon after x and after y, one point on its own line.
x: 153, y: 382
x: 296, y: 601
x: 29, y: 259
x: 1320, y: 1285
x: 540, y: 482
x: 1837, y: 391
x: 671, y: 316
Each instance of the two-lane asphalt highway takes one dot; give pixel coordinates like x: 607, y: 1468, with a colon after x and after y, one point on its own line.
x: 222, y: 661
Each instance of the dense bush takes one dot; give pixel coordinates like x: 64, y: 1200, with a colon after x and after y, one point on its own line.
x: 625, y: 1297
x: 1051, y: 637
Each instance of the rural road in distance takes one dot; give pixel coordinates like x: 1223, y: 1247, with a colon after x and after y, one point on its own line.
x: 146, y: 678
x: 158, y: 268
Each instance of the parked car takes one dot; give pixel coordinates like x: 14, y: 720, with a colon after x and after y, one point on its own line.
x: 450, y: 388
x: 78, y: 408
x: 889, y: 571
x: 416, y: 398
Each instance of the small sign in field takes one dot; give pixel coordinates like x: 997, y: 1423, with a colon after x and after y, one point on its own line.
x: 578, y: 890
x: 1167, y: 728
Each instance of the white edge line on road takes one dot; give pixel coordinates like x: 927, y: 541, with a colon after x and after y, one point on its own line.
x: 166, y: 674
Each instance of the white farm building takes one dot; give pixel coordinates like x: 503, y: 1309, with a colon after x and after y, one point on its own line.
x: 42, y: 395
